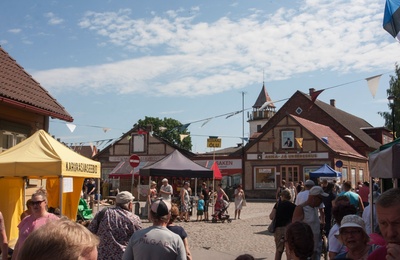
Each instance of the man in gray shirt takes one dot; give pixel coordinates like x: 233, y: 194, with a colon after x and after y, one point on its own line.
x: 156, y: 242
x: 166, y: 190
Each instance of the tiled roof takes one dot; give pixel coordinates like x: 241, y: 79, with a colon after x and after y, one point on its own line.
x: 334, y: 141
x: 352, y: 123
x: 262, y: 98
x: 19, y: 89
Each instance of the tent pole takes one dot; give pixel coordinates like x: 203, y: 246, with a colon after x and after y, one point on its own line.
x: 138, y: 191
x: 61, y: 194
x: 24, y: 193
x: 98, y: 195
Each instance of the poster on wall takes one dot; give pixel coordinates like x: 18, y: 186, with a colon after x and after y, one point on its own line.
x: 287, y: 139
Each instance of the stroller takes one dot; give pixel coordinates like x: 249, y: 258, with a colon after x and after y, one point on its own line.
x: 221, y: 213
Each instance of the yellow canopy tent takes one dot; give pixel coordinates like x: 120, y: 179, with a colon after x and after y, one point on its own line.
x: 42, y: 157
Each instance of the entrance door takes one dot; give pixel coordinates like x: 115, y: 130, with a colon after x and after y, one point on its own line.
x: 290, y: 173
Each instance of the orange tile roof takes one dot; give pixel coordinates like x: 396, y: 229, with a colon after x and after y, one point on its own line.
x: 18, y: 88
x: 335, y: 142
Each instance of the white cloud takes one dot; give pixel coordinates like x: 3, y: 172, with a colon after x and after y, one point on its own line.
x: 202, y: 58
x: 53, y: 19
x: 15, y: 30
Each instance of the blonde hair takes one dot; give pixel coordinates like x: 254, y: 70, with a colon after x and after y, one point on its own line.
x: 59, y: 239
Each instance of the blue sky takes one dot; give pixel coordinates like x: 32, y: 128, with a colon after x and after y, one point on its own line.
x: 111, y: 63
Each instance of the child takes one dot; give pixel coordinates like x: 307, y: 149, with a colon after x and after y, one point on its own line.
x: 200, y: 208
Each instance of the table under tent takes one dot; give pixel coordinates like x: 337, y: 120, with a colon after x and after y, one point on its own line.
x: 42, y: 157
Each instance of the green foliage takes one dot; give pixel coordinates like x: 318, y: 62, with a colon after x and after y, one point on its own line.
x: 173, y: 130
x: 394, y: 89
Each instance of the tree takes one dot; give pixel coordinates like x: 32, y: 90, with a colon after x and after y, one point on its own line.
x: 167, y: 128
x: 394, y: 91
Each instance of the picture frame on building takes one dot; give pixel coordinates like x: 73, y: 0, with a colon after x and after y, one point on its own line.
x: 287, y: 139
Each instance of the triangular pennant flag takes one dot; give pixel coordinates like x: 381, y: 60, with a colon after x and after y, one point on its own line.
x: 325, y: 139
x: 299, y: 141
x: 265, y: 105
x: 129, y: 137
x: 183, y: 137
x: 162, y: 129
x: 141, y: 131
x: 91, y: 146
x: 373, y: 84
x: 315, y: 94
x: 234, y: 113
x: 205, y: 122
x: 71, y: 127
x: 183, y: 127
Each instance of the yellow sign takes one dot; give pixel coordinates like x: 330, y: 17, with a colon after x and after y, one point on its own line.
x: 214, y: 142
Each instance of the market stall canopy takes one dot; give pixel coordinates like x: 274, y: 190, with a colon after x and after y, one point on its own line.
x: 125, y: 171
x: 384, y: 162
x: 325, y: 171
x: 176, y: 165
x: 40, y: 156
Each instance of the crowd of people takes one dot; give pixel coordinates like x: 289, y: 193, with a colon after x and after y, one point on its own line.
x: 343, y: 214
x: 301, y: 217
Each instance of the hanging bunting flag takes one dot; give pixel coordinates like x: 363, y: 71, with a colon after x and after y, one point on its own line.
x: 71, y: 127
x: 373, y: 84
x: 299, y: 141
x: 151, y: 133
x: 183, y: 127
x: 245, y: 139
x: 315, y: 94
x: 105, y: 129
x: 183, y: 137
x: 266, y: 104
x: 391, y: 18
x: 129, y: 137
x: 141, y: 132
x: 234, y: 113
x: 205, y: 122
x: 162, y: 129
x: 91, y: 145
x: 325, y: 139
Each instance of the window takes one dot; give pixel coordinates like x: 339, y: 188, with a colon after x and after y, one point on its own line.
x: 138, y: 143
x: 264, y: 177
x: 353, y: 177
x: 307, y: 170
x: 10, y: 139
x: 290, y: 173
x: 344, y: 174
x: 361, y: 175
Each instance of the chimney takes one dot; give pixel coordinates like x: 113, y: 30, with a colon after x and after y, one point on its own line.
x: 311, y: 90
x: 333, y: 102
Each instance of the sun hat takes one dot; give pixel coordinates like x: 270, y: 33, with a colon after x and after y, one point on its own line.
x: 161, y: 207
x: 124, y: 197
x: 164, y: 180
x: 309, y: 183
x: 352, y: 221
x: 317, y: 190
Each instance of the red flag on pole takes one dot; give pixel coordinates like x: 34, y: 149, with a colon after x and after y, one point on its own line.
x: 315, y: 94
x: 216, y: 171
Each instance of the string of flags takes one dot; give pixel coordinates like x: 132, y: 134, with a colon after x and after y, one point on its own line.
x: 372, y: 82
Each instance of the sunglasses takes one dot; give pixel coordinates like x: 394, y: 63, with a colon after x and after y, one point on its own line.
x: 33, y: 203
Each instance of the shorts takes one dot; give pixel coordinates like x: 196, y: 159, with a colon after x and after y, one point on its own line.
x: 279, y: 236
x: 200, y: 212
x: 184, y: 207
x: 206, y: 206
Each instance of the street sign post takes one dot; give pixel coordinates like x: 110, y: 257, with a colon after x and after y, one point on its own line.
x: 214, y: 142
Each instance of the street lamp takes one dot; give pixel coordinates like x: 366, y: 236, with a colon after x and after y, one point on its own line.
x: 391, y: 99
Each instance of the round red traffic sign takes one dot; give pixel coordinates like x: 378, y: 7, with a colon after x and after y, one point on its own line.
x: 134, y: 160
